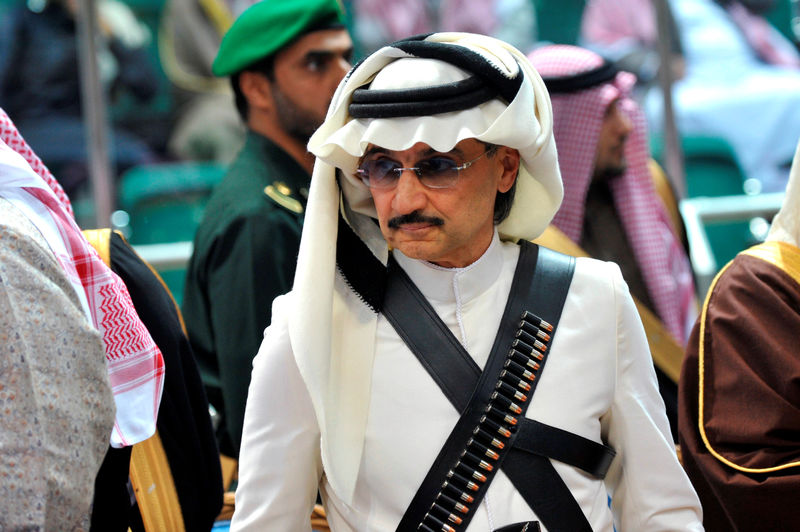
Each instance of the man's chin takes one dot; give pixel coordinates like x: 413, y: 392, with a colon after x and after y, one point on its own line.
x: 611, y: 172
x: 413, y: 249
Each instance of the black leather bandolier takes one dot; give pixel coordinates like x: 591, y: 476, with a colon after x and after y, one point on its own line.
x: 492, y: 432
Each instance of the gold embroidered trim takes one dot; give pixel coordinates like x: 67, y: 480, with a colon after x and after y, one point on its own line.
x: 783, y: 255
x: 279, y: 193
x: 786, y: 258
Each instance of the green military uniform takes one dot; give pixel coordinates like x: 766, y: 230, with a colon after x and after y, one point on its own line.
x: 245, y: 253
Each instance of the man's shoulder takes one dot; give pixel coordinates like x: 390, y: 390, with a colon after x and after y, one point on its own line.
x: 243, y: 196
x: 597, y: 270
x: 254, y: 181
x: 26, y: 258
x: 596, y: 276
x: 20, y: 233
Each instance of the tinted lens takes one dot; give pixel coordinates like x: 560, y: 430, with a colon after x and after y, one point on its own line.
x: 437, y: 172
x: 379, y: 173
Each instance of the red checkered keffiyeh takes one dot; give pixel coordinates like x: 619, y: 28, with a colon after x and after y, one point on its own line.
x: 577, y: 120
x: 135, y: 364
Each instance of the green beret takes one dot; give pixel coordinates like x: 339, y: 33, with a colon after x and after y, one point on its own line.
x: 269, y: 25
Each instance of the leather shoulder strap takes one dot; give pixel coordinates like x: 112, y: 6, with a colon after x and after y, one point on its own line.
x: 460, y: 472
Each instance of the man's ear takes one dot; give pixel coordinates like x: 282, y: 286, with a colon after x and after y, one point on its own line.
x: 509, y: 160
x: 257, y: 89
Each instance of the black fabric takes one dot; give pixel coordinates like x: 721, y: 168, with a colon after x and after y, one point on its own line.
x: 421, y: 101
x: 112, y: 507
x: 362, y: 271
x: 466, y: 59
x: 582, y: 80
x: 487, y: 82
x: 183, y: 421
x: 552, y: 442
x: 418, y: 94
x: 528, y: 526
x: 530, y: 474
x: 604, y: 237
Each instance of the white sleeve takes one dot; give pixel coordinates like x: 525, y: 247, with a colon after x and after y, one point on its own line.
x: 279, y: 461
x: 648, y: 487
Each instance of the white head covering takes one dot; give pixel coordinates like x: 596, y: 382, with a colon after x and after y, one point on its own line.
x: 331, y: 330
x: 786, y: 224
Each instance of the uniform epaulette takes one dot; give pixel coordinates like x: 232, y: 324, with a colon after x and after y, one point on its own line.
x: 281, y: 194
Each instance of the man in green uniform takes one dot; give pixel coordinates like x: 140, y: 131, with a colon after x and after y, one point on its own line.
x: 285, y: 59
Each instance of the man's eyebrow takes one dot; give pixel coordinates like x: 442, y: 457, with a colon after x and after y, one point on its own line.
x: 375, y: 149
x: 327, y: 54
x: 318, y: 54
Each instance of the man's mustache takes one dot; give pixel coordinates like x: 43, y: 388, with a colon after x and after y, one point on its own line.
x: 414, y: 218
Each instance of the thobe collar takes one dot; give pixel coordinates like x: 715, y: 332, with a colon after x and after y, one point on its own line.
x: 454, y: 285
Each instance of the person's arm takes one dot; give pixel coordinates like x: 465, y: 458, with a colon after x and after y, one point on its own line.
x: 279, y: 464
x: 251, y: 263
x: 648, y: 488
x: 58, y: 410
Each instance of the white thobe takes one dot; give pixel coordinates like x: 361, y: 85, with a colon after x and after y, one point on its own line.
x: 598, y: 382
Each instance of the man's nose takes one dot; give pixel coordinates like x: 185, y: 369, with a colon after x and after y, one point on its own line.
x: 624, y: 123
x: 409, y: 193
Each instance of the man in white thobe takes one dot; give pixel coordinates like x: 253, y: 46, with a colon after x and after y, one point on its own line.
x: 438, y: 153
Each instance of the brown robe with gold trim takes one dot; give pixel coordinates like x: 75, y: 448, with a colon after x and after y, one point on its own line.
x: 739, y: 397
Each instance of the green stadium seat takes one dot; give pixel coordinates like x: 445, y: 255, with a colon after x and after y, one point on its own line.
x: 165, y: 203
x: 781, y: 16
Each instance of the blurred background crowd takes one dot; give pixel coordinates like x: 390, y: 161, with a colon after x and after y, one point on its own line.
x: 733, y: 79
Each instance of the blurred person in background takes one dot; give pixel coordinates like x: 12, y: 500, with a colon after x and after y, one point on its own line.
x: 40, y: 83
x: 611, y: 208
x: 285, y: 59
x: 378, y: 22
x: 625, y: 32
x: 189, y: 37
x: 740, y: 385
x: 740, y: 82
